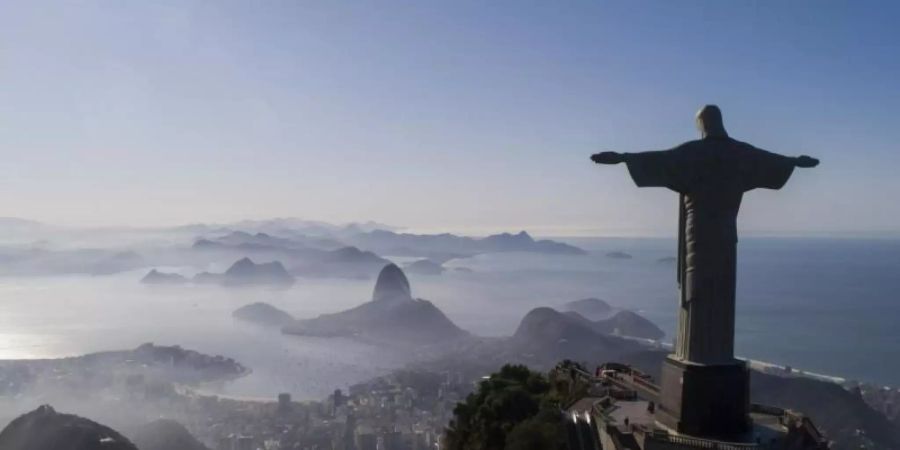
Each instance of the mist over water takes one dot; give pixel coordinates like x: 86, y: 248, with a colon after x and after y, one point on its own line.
x: 819, y: 305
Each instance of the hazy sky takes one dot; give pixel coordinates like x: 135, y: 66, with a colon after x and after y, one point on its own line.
x: 456, y: 115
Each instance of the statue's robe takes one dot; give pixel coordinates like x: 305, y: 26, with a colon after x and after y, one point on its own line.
x: 711, y: 175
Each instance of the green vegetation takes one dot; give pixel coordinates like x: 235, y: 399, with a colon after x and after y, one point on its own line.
x: 514, y: 408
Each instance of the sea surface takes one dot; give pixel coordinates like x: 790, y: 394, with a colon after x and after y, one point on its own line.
x: 828, y: 306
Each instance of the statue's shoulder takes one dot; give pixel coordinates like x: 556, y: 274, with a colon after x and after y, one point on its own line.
x: 718, y: 144
x: 690, y: 146
x: 742, y: 145
x: 747, y: 150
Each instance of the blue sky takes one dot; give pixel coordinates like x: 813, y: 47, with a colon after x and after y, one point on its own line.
x: 460, y: 116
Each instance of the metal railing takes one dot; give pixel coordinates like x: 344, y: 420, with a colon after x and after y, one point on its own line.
x: 703, y: 443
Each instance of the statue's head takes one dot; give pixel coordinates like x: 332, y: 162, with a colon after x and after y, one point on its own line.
x: 709, y: 122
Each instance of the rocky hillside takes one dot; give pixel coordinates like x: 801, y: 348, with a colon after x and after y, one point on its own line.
x: 392, y: 315
x: 46, y: 429
x: 592, y: 308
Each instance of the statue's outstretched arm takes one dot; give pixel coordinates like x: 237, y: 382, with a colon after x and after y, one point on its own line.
x: 802, y: 161
x: 806, y: 161
x: 608, y: 158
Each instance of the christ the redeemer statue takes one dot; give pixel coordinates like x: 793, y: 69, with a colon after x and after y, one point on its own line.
x: 711, y: 175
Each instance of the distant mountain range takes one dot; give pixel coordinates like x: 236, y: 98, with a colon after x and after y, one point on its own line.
x: 243, y: 272
x: 441, y: 247
x: 302, y: 256
x: 306, y: 248
x: 608, y: 320
x: 623, y: 323
x: 548, y: 329
x: 341, y: 253
x: 392, y: 315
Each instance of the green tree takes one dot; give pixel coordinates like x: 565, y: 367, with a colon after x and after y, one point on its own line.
x: 514, y: 408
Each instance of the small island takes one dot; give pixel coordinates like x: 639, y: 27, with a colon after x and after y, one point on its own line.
x: 245, y: 272
x: 161, y: 278
x: 425, y: 267
x: 262, y: 314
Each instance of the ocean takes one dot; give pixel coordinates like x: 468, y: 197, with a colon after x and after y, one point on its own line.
x: 822, y: 305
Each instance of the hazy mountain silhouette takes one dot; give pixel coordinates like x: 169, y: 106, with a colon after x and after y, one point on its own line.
x: 592, y: 308
x: 543, y: 338
x: 236, y: 238
x: 304, y: 258
x: 605, y: 319
x: 547, y: 326
x: 433, y: 245
x: 623, y: 323
x: 392, y: 315
x: 245, y: 272
x: 262, y: 314
x: 547, y: 334
x: 619, y: 255
x: 346, y: 261
x: 425, y: 267
x: 157, y: 277
x: 391, y: 285
x: 46, y: 429
x: 629, y: 323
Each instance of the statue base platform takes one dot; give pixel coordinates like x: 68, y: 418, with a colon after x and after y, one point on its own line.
x: 705, y: 400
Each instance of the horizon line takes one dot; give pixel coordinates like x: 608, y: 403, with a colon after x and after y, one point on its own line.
x: 538, y: 231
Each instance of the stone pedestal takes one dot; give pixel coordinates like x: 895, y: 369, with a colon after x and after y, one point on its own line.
x: 705, y: 400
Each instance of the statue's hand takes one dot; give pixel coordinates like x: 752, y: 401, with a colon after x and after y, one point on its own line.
x: 608, y: 158
x: 806, y: 161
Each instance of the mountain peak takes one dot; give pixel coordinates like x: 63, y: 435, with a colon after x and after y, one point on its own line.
x: 392, y: 284
x: 591, y: 308
x: 245, y: 261
x: 245, y: 271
